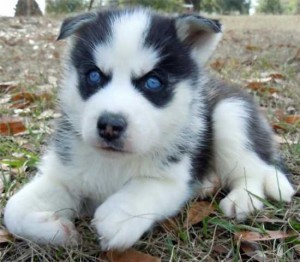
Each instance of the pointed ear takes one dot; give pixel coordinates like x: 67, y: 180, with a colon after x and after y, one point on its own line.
x: 201, y: 34
x: 72, y: 24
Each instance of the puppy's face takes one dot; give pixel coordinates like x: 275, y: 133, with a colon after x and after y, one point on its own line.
x: 131, y: 75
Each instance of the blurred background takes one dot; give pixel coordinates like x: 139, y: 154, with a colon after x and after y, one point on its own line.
x: 224, y: 7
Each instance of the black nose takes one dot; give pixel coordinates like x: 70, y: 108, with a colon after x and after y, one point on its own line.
x: 111, y: 126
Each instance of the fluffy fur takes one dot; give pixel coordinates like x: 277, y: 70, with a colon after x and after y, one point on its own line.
x: 173, y: 142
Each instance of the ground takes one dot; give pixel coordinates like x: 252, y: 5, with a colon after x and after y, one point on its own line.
x: 260, y: 53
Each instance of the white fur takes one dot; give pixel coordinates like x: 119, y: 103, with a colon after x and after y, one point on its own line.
x: 241, y: 170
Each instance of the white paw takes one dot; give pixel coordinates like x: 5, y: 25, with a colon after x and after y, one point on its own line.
x: 119, y: 225
x: 239, y: 203
x: 278, y: 187
x: 47, y: 228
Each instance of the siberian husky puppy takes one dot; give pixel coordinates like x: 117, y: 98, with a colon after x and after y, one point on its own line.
x: 143, y: 129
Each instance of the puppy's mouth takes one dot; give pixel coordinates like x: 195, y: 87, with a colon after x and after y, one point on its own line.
x: 112, y: 147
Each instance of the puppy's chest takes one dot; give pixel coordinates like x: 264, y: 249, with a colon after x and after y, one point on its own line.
x: 99, y: 178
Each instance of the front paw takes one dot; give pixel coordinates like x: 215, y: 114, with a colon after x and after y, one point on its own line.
x: 119, y: 224
x: 45, y: 227
x: 239, y: 203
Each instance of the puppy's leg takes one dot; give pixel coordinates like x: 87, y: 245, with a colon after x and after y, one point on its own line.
x: 123, y: 218
x: 238, y: 163
x: 42, y: 211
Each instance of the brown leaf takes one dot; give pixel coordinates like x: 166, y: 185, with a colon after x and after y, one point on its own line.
x: 276, y: 76
x: 255, y: 236
x: 217, y: 65
x: 130, y: 255
x: 8, y: 86
x: 23, y: 99
x: 5, y: 236
x: 261, y: 87
x: 253, y: 48
x: 278, y: 127
x: 197, y: 212
x: 253, y: 250
x: 220, y: 249
x: 292, y: 119
x: 170, y: 225
x: 11, y: 125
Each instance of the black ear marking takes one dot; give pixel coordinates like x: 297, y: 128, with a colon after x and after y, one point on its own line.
x: 72, y: 24
x: 191, y: 28
x: 200, y: 34
x: 206, y: 24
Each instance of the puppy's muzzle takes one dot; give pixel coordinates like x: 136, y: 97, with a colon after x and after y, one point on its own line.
x: 111, y: 126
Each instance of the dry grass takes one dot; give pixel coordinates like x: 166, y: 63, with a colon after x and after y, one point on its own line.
x: 252, y: 46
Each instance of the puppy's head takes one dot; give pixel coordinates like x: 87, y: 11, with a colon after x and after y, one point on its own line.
x: 131, y: 76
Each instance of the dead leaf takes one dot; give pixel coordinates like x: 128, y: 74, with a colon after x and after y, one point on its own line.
x: 276, y: 76
x: 130, y: 255
x: 23, y: 99
x: 217, y: 65
x: 11, y: 125
x: 292, y: 119
x: 170, y: 225
x: 220, y: 249
x: 261, y: 87
x: 8, y: 86
x: 255, y: 236
x: 5, y: 236
x: 253, y: 48
x: 197, y: 212
x: 277, y: 127
x: 253, y: 250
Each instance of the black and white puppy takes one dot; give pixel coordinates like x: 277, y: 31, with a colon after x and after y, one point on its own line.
x: 143, y: 128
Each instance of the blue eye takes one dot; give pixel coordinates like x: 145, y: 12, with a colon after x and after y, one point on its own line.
x: 94, y: 77
x: 153, y: 83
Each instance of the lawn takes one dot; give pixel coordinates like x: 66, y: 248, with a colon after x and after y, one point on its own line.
x: 260, y: 53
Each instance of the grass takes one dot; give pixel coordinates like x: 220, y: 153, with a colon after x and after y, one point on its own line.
x: 252, y: 47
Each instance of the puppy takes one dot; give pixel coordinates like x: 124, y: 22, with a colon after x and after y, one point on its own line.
x: 143, y: 129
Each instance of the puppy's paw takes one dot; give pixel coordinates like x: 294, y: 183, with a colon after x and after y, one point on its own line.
x: 48, y: 228
x: 278, y: 187
x: 239, y: 203
x: 119, y: 224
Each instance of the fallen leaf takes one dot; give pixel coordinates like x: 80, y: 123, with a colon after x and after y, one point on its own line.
x: 8, y: 86
x: 292, y: 119
x: 261, y: 87
x: 197, y: 212
x: 130, y: 255
x: 217, y: 65
x: 277, y: 127
x: 11, y: 125
x: 276, y: 76
x: 23, y: 99
x: 220, y: 249
x: 5, y: 236
x: 170, y: 225
x: 255, y: 236
x: 253, y: 48
x: 253, y: 250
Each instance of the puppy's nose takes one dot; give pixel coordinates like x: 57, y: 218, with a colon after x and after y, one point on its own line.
x: 111, y: 126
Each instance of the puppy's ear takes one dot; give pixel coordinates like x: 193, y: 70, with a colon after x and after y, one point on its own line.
x: 72, y: 24
x: 201, y: 34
